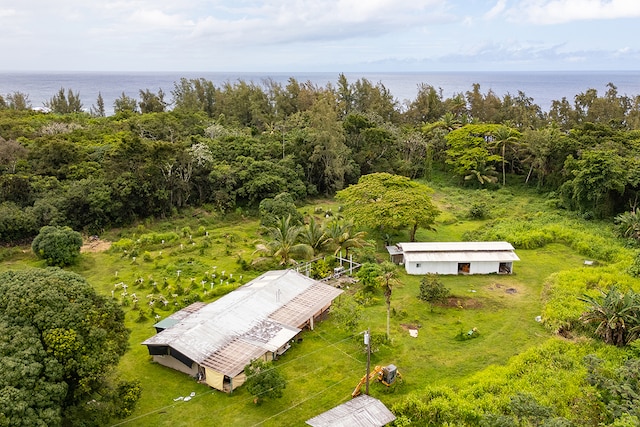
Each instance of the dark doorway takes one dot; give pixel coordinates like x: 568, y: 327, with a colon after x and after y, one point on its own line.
x: 464, y: 268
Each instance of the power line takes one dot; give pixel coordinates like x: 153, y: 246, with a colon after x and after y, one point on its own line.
x: 300, y: 403
x: 128, y: 420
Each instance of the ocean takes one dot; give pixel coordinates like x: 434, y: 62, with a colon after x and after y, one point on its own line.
x: 543, y: 87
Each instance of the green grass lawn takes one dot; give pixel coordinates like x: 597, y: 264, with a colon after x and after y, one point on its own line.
x: 326, y: 365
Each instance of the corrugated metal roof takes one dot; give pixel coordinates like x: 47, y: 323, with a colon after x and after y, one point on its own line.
x: 244, y: 314
x: 394, y: 250
x: 231, y: 359
x: 462, y: 256
x: 296, y: 312
x: 361, y: 411
x: 454, y: 246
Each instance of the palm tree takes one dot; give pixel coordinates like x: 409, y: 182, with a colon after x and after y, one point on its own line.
x: 616, y: 314
x: 342, y: 236
x: 503, y: 137
x: 388, y: 281
x: 314, y: 235
x: 283, y: 243
x: 483, y: 173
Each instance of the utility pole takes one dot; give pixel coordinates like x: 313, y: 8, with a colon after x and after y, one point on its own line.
x: 367, y: 341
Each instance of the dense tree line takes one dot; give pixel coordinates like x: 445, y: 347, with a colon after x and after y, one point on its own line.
x: 230, y: 146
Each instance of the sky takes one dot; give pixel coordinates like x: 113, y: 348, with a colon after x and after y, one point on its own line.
x: 319, y: 35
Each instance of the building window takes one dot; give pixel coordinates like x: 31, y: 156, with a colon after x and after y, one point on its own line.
x: 417, y: 265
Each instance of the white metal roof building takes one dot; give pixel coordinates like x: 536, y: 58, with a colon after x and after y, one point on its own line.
x: 214, y: 342
x: 454, y: 257
x: 361, y: 411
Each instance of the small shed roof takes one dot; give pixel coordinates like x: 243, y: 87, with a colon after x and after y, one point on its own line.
x: 204, y: 331
x: 361, y: 411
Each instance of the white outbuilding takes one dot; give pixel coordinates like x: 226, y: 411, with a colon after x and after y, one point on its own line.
x: 454, y: 257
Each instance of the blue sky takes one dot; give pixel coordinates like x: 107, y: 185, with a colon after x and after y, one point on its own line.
x: 319, y: 35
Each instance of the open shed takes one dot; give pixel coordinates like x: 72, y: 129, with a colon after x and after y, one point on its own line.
x: 361, y: 411
x: 214, y: 342
x: 454, y: 257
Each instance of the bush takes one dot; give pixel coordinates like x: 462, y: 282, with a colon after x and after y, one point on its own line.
x: 58, y: 246
x: 264, y: 380
x: 432, y: 289
x: 478, y: 210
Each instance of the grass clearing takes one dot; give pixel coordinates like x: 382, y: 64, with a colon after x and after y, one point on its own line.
x: 207, y: 256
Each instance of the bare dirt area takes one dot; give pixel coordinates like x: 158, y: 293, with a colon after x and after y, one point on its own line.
x: 462, y: 302
x: 506, y: 289
x: 93, y: 245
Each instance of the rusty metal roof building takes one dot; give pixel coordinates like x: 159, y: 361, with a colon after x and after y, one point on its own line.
x: 361, y: 411
x: 258, y: 317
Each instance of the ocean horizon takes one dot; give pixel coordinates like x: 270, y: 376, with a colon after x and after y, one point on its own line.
x: 542, y: 86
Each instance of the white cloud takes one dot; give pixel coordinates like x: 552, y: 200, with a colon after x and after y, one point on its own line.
x: 5, y: 13
x: 564, y: 11
x: 496, y: 10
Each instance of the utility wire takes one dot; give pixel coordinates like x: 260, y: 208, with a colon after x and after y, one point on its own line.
x: 128, y: 420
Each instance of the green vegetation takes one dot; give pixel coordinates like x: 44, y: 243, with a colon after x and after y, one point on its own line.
x: 264, y: 381
x: 58, y: 246
x: 200, y: 256
x: 59, y: 344
x: 186, y: 196
x: 388, y: 203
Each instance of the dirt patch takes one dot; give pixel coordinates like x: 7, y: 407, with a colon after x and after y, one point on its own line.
x: 407, y: 326
x: 506, y: 289
x: 462, y: 302
x: 94, y: 245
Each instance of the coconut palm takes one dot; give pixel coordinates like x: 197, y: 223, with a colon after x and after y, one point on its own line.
x: 342, y: 236
x: 504, y: 136
x: 388, y: 281
x: 617, y: 316
x: 314, y: 235
x: 283, y: 243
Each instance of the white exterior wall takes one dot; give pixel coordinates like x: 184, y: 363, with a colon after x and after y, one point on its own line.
x: 484, y: 267
x: 432, y: 267
x: 477, y: 267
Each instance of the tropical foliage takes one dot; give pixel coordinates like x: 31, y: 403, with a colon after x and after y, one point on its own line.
x: 387, y: 203
x: 58, y: 246
x: 615, y: 314
x: 59, y: 344
x: 264, y: 380
x: 231, y: 146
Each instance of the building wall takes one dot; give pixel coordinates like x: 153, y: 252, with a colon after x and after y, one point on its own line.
x: 431, y: 267
x: 174, y: 363
x: 419, y: 268
x: 238, y: 380
x: 485, y: 267
x: 214, y: 379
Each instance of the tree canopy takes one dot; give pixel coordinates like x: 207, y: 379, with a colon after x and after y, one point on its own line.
x: 388, y: 202
x: 231, y: 146
x: 58, y: 343
x: 58, y: 246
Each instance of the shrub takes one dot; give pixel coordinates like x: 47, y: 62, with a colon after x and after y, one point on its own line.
x: 432, y: 289
x: 478, y: 210
x: 58, y: 246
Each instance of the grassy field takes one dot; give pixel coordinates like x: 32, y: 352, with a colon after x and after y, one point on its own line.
x: 326, y: 365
